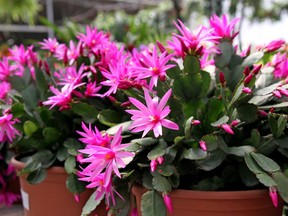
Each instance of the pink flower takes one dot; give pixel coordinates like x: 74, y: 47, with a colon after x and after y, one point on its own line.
x: 202, y: 145
x: 281, y: 69
x: 168, y: 203
x: 222, y: 27
x: 50, y: 44
x: 119, y: 77
x: 227, y: 128
x: 5, y: 69
x: 273, y: 195
x: 151, y: 117
x: 61, y: 98
x: 71, y: 78
x: 193, y: 42
x: 8, y: 198
x: 5, y: 88
x: 246, y: 51
x: 73, y: 52
x: 7, y: 131
x: 91, y: 137
x: 154, y: 66
x: 92, y: 89
x: 110, y: 159
x: 92, y: 38
x: 274, y: 45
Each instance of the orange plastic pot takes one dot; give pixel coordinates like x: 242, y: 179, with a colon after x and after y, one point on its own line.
x: 207, y: 203
x: 51, y: 197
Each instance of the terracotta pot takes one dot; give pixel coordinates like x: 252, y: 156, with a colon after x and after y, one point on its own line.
x: 51, y: 197
x: 207, y: 203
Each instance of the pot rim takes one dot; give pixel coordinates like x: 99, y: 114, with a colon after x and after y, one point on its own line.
x: 192, y: 194
x: 20, y: 165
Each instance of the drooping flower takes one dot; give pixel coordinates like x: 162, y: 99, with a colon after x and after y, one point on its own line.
x: 152, y: 116
x: 227, y: 128
x: 273, y: 195
x: 168, y: 202
x: 7, y: 130
x: 90, y: 137
x: 154, y: 66
x: 223, y: 28
x: 202, y: 145
x: 108, y: 158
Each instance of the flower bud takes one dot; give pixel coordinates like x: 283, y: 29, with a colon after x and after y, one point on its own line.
x: 203, y: 145
x: 77, y: 197
x: 273, y: 195
x: 263, y: 113
x: 227, y: 128
x: 222, y: 78
x: 246, y: 90
x: 277, y: 94
x: 160, y: 159
x: 246, y: 71
x: 195, y: 122
x: 134, y: 212
x: 256, y: 69
x: 235, y: 122
x: 161, y: 47
x: 153, y: 165
x: 248, y: 79
x: 168, y: 203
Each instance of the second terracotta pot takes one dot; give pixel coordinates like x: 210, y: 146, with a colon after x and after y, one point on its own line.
x: 51, y: 197
x: 208, y: 203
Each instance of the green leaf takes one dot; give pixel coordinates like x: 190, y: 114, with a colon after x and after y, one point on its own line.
x: 266, y: 180
x: 265, y: 163
x: 281, y: 124
x: 240, y: 150
x: 17, y: 110
x: 91, y: 204
x: 223, y: 59
x: 88, y: 112
x: 30, y: 167
x: 213, y: 160
x: 188, y: 126
x: 62, y: 154
x: 158, y: 150
x: 147, y: 180
x: 51, y: 134
x: 110, y: 117
x: 29, y: 128
x: 282, y: 142
x: 282, y: 182
x: 166, y: 170
x: 211, y: 141
x: 220, y: 121
x: 191, y: 64
x: 273, y: 124
x: 255, y: 137
x: 113, y: 130
x: 37, y: 176
x: 70, y: 165
x: 30, y: 96
x: 252, y: 165
x: 252, y: 59
x: 74, y: 185
x: 174, y: 72
x: 152, y: 204
x: 267, y: 145
x: 247, y: 176
x: 247, y: 112
x: 146, y: 141
x: 41, y: 82
x: 72, y: 143
x: 194, y: 154
x: 161, y: 183
x: 206, y: 79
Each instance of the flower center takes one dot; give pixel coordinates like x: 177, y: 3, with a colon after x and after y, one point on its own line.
x: 154, y: 118
x: 110, y: 155
x: 155, y: 70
